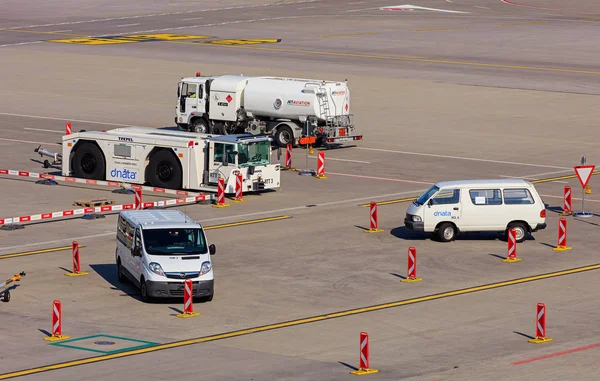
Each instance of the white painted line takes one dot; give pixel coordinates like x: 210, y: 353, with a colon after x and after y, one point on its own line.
x: 192, y: 18
x: 27, y: 141
x: 237, y: 216
x: 409, y: 7
x: 479, y: 6
x: 21, y: 43
x: 306, y: 7
x: 362, y: 9
x: 461, y: 158
x: 348, y: 160
x: 44, y: 130
x: 124, y: 25
x: 70, y: 120
x: 378, y: 178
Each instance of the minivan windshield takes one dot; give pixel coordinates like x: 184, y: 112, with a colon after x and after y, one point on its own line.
x: 426, y: 196
x: 174, y: 241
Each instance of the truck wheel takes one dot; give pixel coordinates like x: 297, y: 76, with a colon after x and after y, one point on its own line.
x: 88, y: 162
x: 446, y: 232
x: 284, y: 136
x: 199, y: 126
x: 164, y: 171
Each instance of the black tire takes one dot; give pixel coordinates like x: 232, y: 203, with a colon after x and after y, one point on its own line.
x: 144, y: 291
x: 120, y: 275
x: 200, y: 126
x: 446, y: 232
x: 164, y: 170
x: 284, y: 136
x: 521, y: 230
x: 6, y: 297
x: 88, y: 162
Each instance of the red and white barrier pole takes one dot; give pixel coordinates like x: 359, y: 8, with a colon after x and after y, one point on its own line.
x: 68, y: 129
x: 512, y: 247
x: 321, y: 166
x: 188, y: 296
x: 56, y: 323
x: 411, y: 274
x: 540, y: 325
x: 364, y: 356
x: 221, y: 194
x: 138, y: 204
x: 567, y: 205
x: 288, y: 158
x: 238, y: 188
x: 373, y: 219
x: 76, y: 261
x: 562, y: 235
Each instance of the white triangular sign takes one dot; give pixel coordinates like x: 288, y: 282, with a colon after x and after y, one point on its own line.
x: 413, y: 7
x: 584, y: 173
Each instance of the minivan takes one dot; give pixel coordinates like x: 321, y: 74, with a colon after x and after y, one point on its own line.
x: 157, y: 250
x: 451, y: 207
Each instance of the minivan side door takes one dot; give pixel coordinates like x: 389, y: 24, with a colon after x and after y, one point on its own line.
x: 444, y: 206
x: 483, y: 210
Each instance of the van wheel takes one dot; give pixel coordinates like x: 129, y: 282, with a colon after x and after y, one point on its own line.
x: 164, y: 171
x: 446, y: 232
x: 120, y: 274
x: 144, y: 291
x: 520, y: 230
x: 6, y: 297
x: 88, y: 162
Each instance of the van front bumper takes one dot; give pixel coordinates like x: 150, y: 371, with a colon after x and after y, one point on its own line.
x: 175, y: 289
x: 541, y: 226
x: 417, y: 226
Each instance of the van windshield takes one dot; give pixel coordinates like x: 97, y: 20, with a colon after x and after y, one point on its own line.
x: 427, y: 195
x: 174, y: 241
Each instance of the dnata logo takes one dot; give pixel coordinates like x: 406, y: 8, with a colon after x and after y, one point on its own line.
x: 123, y: 174
x: 442, y: 214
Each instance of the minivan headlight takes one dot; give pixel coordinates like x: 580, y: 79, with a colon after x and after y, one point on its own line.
x: 416, y: 218
x: 156, y: 269
x: 206, y: 267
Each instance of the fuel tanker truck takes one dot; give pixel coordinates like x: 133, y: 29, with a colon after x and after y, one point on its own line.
x: 289, y: 109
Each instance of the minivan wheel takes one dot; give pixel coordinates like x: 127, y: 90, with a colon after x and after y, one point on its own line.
x: 120, y: 274
x: 144, y: 291
x: 446, y: 232
x: 520, y: 230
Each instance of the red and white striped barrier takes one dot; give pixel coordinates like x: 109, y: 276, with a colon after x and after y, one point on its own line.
x: 321, y: 166
x: 76, y: 261
x: 567, y: 205
x: 364, y: 356
x: 373, y: 219
x: 540, y: 325
x: 56, y: 323
x: 562, y: 235
x: 221, y: 194
x: 68, y: 129
x: 112, y: 184
x: 239, y: 194
x: 512, y: 247
x: 77, y: 213
x: 288, y: 158
x: 137, y: 202
x: 188, y: 306
x: 411, y: 274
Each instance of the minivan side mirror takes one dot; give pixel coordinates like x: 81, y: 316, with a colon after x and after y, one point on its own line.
x: 212, y: 249
x: 430, y: 202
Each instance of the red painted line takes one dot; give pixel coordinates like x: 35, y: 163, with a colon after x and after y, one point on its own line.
x: 510, y: 2
x: 574, y: 198
x: 556, y: 354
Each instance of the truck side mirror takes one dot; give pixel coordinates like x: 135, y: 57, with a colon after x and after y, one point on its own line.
x: 212, y: 249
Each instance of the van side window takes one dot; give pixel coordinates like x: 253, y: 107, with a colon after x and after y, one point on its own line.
x: 129, y: 235
x: 486, y: 196
x: 517, y: 197
x: 122, y: 231
x: 138, y: 238
x: 446, y: 196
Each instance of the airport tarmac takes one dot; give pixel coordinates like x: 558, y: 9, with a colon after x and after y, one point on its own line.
x: 504, y: 89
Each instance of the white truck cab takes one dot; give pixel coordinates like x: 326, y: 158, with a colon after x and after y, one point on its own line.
x: 157, y: 250
x: 451, y: 207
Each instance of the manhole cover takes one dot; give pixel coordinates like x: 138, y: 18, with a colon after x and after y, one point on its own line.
x: 104, y: 342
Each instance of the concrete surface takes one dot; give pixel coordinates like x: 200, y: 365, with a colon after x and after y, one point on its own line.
x: 507, y: 89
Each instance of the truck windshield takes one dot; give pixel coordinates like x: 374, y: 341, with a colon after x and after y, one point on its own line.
x: 427, y: 195
x: 253, y: 154
x: 174, y: 241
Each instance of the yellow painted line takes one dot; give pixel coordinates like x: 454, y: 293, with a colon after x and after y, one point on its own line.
x: 34, y: 252
x: 249, y: 222
x: 240, y: 41
x: 394, y: 58
x: 129, y: 39
x: 292, y: 323
x: 550, y: 179
x: 436, y: 29
x: 526, y: 23
x: 590, y: 19
x: 348, y: 34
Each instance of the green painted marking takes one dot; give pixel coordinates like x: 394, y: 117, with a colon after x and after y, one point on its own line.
x: 66, y: 344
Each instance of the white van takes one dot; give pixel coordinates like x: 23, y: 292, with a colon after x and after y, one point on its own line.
x: 158, y: 250
x: 451, y: 207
